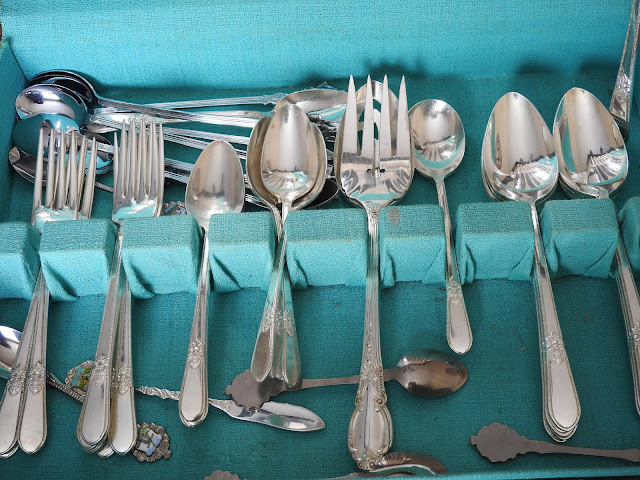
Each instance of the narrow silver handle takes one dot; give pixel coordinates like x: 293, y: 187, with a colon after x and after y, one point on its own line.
x: 179, y: 115
x: 217, y: 102
x: 631, y: 311
x: 559, y: 393
x: 33, y: 428
x: 631, y: 454
x: 93, y: 424
x: 193, y: 405
x: 370, y: 428
x: 458, y: 329
x: 620, y: 107
x: 12, y: 402
x: 123, y: 427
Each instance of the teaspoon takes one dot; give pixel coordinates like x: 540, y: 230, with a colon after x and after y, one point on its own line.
x: 439, y: 141
x: 216, y: 186
x: 594, y: 163
x: 519, y: 163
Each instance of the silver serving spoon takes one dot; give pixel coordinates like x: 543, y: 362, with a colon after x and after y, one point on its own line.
x: 286, y: 166
x: 438, y: 146
x: 273, y: 414
x: 216, y: 186
x: 426, y: 373
x: 499, y: 443
x: 594, y: 163
x: 519, y: 163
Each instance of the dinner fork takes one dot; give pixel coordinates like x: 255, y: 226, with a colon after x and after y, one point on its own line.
x: 373, y: 176
x: 23, y: 419
x: 138, y: 167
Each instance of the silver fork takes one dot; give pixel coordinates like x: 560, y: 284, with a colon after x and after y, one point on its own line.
x: 373, y: 176
x: 138, y: 192
x: 23, y: 419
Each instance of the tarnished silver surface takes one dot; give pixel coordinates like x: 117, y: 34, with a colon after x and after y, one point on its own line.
x: 620, y: 106
x: 594, y: 162
x: 373, y: 174
x: 439, y: 142
x: 426, y: 373
x: 216, y: 186
x: 519, y: 163
x: 499, y: 443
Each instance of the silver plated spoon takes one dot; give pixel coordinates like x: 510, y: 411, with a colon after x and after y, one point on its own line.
x: 594, y: 163
x: 216, y: 186
x: 438, y: 146
x: 519, y: 163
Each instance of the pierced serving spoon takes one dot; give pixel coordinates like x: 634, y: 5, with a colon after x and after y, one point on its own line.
x: 519, y: 163
x: 594, y: 163
x: 216, y: 186
x: 438, y: 146
x: 426, y: 373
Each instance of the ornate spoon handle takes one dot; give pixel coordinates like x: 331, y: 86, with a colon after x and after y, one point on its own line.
x: 559, y: 391
x: 370, y: 428
x: 192, y: 405
x: 458, y: 328
x: 620, y: 107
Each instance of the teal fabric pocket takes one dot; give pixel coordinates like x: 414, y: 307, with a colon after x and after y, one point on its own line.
x: 629, y: 218
x: 494, y: 240
x: 327, y: 247
x: 76, y: 257
x: 412, y: 244
x: 580, y: 236
x: 19, y: 263
x: 161, y: 255
x: 241, y: 250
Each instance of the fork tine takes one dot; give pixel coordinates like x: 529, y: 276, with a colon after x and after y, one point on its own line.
x: 131, y: 167
x: 61, y: 170
x: 368, y: 140
x: 74, y: 194
x: 384, y: 133
x: 158, y: 165
x: 51, y: 175
x: 87, y: 199
x: 403, y: 133
x: 83, y: 160
x: 350, y: 128
x: 142, y: 159
x: 150, y: 162
x: 37, y: 184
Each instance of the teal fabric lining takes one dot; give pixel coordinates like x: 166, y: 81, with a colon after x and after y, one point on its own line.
x: 494, y: 241
x: 412, y: 244
x: 629, y: 218
x: 580, y: 237
x: 19, y: 263
x: 241, y: 250
x: 325, y: 247
x: 76, y: 257
x: 161, y: 255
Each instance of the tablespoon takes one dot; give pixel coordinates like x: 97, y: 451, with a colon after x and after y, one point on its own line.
x: 426, y: 373
x: 216, y: 186
x: 438, y: 146
x: 519, y: 163
x: 594, y: 163
x: 289, y: 167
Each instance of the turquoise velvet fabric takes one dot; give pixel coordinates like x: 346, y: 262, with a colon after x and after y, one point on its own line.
x: 241, y: 250
x: 160, y: 255
x: 19, y: 263
x: 468, y: 54
x: 76, y: 257
x: 630, y: 228
x: 494, y: 241
x: 580, y: 237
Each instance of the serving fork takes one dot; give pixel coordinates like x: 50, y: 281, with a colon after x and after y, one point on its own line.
x: 23, y: 420
x: 138, y: 167
x: 373, y: 175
